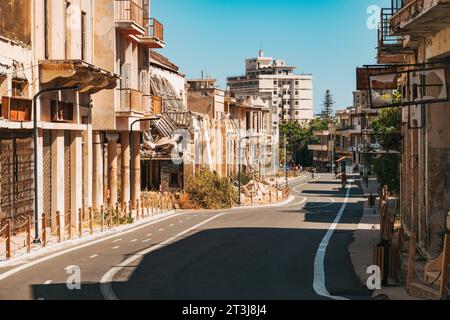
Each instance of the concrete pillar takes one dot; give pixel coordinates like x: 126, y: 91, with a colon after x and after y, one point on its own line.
x: 136, y: 158
x: 88, y: 167
x: 40, y: 177
x: 76, y: 177
x: 112, y: 166
x: 97, y: 175
x: 125, y: 161
x: 58, y: 163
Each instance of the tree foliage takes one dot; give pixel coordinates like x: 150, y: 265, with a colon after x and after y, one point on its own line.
x: 327, y: 106
x: 298, y: 137
x: 386, y: 128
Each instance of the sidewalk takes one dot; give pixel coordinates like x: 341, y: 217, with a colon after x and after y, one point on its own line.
x: 365, y: 238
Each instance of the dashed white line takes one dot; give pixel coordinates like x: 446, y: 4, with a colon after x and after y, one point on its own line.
x: 134, y: 240
x: 171, y: 225
x: 105, y: 282
x: 117, y: 240
x: 146, y: 240
x: 93, y: 256
x: 148, y: 234
x: 319, y: 262
x: 162, y: 229
x: 116, y: 247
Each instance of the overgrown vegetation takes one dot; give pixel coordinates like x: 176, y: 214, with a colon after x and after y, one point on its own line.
x: 298, y: 138
x: 387, y: 128
x: 207, y: 190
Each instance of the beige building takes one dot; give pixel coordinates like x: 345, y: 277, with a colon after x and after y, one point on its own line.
x: 45, y: 45
x: 124, y: 33
x: 413, y: 36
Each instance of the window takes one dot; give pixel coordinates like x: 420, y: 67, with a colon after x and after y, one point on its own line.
x: 174, y: 180
x: 275, y: 82
x: 296, y: 93
x: 296, y: 103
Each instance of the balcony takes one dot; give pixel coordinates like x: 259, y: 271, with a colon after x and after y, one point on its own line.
x: 418, y: 18
x: 129, y: 17
x: 131, y: 102
x: 154, y: 35
x: 390, y: 47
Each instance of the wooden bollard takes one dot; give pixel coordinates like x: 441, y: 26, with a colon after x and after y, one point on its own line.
x: 102, y: 212
x: 91, y: 222
x: 130, y: 209
x: 58, y: 226
x: 118, y: 215
x: 8, y: 239
x: 110, y: 212
x: 80, y: 223
x: 28, y: 229
x: 251, y: 198
x: 44, y: 230
x: 138, y: 210
x: 69, y: 224
x: 270, y: 196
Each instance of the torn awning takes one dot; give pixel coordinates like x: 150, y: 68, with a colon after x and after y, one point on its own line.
x: 68, y: 73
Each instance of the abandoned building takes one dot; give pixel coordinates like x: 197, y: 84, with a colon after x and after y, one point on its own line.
x: 413, y: 41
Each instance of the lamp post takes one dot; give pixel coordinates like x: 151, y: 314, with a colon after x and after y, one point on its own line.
x: 132, y: 148
x: 285, y: 160
x: 35, y: 154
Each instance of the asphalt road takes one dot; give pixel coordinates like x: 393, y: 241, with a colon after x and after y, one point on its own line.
x: 288, y: 252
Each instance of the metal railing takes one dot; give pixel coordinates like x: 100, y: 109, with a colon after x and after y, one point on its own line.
x: 128, y: 11
x: 384, y: 32
x: 155, y: 29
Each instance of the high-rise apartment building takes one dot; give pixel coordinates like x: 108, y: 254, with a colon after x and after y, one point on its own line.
x: 290, y: 94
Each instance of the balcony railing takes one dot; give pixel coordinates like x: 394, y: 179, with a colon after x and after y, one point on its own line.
x: 131, y: 101
x: 128, y: 12
x: 154, y: 34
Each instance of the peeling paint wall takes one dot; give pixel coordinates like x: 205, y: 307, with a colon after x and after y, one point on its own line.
x: 15, y: 20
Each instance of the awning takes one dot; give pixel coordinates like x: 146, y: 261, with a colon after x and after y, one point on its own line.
x: 68, y: 73
x: 343, y: 159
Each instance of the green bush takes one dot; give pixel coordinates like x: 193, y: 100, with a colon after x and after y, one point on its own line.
x: 208, y: 191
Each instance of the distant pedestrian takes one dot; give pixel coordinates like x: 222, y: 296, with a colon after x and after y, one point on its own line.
x: 371, y: 200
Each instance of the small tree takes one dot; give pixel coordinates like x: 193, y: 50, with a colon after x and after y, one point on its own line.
x: 327, y: 106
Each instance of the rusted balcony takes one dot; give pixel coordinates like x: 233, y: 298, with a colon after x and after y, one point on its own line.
x: 130, y: 102
x: 421, y: 17
x: 129, y: 17
x: 154, y: 35
x: 390, y: 47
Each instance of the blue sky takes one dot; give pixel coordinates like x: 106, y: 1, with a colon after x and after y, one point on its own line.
x: 327, y: 38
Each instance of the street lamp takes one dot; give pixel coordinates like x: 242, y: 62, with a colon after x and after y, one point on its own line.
x: 35, y: 154
x: 132, y: 148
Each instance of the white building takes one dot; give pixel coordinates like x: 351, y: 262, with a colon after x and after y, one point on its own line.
x: 290, y: 95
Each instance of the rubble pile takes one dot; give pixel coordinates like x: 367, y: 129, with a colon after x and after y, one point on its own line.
x: 261, y: 192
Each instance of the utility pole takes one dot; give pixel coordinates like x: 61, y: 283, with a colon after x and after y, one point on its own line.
x: 285, y: 160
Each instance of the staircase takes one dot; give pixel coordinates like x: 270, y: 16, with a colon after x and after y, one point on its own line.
x: 165, y: 126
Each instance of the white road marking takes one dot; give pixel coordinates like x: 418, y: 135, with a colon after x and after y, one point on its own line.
x: 298, y: 203
x: 180, y: 221
x: 146, y: 240
x: 117, y: 240
x: 48, y: 282
x: 148, y: 234
x: 162, y: 229
x: 319, y: 261
x: 105, y: 282
x: 94, y: 256
x: 332, y: 201
x: 171, y: 225
x: 116, y: 247
x: 134, y: 240
x: 11, y: 272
